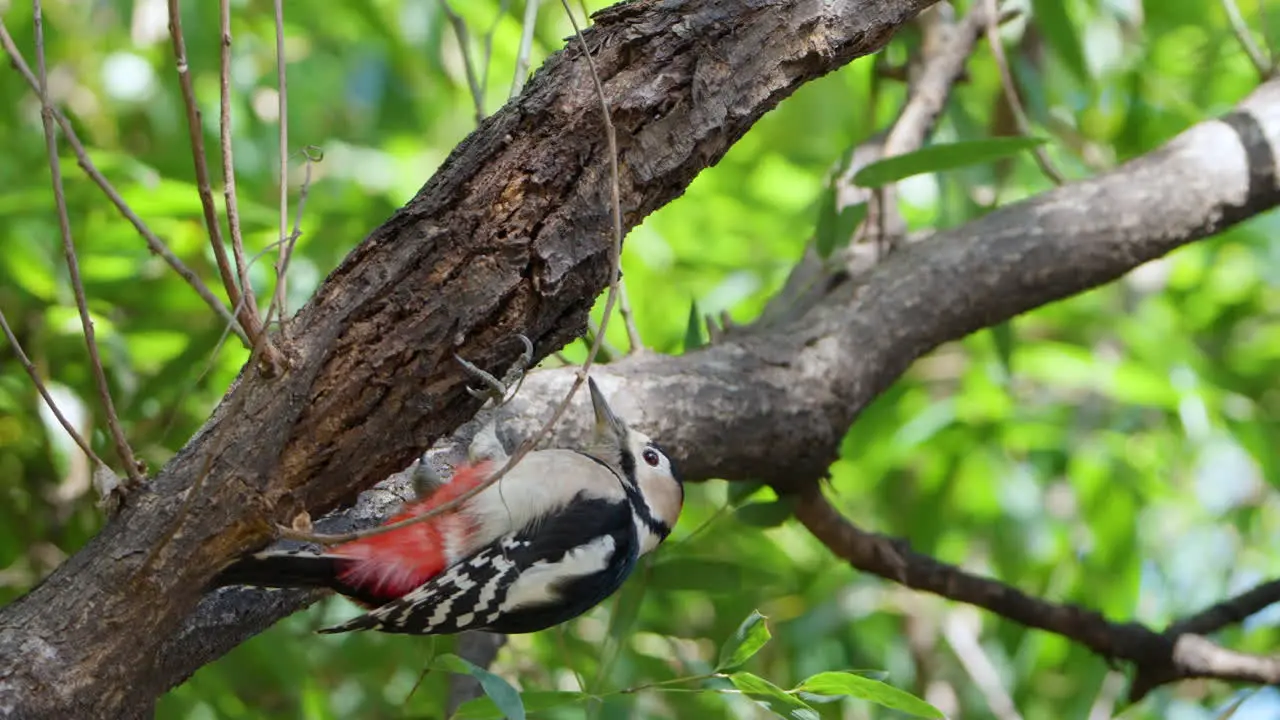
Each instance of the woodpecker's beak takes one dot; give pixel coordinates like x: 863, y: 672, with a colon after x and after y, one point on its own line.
x: 606, y: 421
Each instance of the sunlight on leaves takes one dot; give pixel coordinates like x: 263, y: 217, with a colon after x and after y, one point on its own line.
x: 937, y: 158
x: 873, y: 691
x: 773, y: 698
x: 745, y: 642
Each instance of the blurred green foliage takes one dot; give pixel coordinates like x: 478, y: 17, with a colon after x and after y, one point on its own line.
x: 1116, y: 450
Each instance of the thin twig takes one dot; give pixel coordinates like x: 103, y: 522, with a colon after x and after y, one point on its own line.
x: 464, y: 44
x: 1156, y: 657
x: 488, y: 45
x: 530, y: 23
x: 615, y: 253
x: 282, y: 263
x: 248, y: 312
x: 1260, y: 61
x: 228, y: 157
x: 44, y: 391
x: 1228, y: 612
x: 73, y: 265
x: 312, y: 155
x: 634, y: 343
x: 154, y: 243
x: 1011, y: 94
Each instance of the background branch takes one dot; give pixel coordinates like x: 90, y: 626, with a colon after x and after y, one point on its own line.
x: 1157, y: 658
x: 132, y: 469
x: 154, y: 243
x: 246, y: 308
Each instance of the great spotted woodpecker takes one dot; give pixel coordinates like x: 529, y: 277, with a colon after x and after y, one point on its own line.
x: 550, y: 540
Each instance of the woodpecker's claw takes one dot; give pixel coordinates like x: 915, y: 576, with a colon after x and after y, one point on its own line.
x: 501, y: 391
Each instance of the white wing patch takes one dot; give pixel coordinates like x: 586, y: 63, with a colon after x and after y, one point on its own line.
x: 536, y: 585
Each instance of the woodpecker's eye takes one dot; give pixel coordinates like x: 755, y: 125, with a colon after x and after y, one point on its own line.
x: 651, y: 456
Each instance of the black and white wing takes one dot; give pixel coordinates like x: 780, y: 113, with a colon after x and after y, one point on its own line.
x: 527, y: 581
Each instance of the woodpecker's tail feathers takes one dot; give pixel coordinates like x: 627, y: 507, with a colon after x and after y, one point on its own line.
x: 293, y: 569
x: 363, y: 621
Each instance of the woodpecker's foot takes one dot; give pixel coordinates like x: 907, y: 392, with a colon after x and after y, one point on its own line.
x: 500, y: 391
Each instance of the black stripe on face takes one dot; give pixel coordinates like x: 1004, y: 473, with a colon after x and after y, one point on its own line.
x: 636, y: 498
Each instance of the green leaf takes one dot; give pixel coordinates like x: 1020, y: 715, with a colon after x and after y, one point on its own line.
x: 739, y: 491
x: 937, y: 158
x: 773, y: 698
x: 693, y: 337
x: 835, y: 229
x: 483, y: 708
x: 746, y: 641
x: 1002, y: 336
x: 505, y: 698
x: 1052, y: 19
x: 873, y: 691
x: 766, y: 514
x: 704, y: 574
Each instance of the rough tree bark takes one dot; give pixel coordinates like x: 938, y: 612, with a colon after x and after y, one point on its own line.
x: 512, y: 235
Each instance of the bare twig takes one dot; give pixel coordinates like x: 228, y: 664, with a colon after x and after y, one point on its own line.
x: 44, y: 391
x: 634, y: 343
x: 1011, y: 94
x: 1260, y: 61
x: 488, y: 45
x: 154, y: 243
x: 278, y: 302
x: 131, y: 467
x: 615, y: 254
x: 241, y: 297
x: 311, y: 155
x: 228, y: 157
x: 1159, y: 658
x: 529, y: 24
x: 1228, y: 612
x: 464, y: 45
x: 961, y: 634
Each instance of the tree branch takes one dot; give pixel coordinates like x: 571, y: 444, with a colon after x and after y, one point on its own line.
x: 1158, y: 657
x: 512, y: 234
x: 793, y: 389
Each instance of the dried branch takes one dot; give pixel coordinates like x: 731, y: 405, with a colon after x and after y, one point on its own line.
x: 468, y: 64
x: 241, y: 297
x: 488, y: 45
x: 132, y: 468
x: 228, y: 157
x: 527, y: 28
x: 1010, y: 87
x: 1228, y: 612
x: 1158, y: 658
x: 1261, y: 62
x: 44, y: 392
x: 634, y: 342
x: 282, y: 111
x: 311, y: 155
x: 154, y: 243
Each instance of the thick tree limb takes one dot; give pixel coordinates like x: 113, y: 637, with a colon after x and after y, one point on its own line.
x: 511, y: 234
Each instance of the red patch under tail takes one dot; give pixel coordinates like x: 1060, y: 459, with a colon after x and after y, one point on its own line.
x: 391, y: 564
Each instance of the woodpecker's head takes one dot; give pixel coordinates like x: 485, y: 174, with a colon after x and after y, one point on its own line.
x: 654, y: 485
